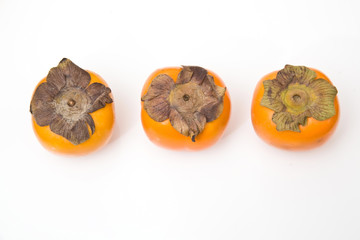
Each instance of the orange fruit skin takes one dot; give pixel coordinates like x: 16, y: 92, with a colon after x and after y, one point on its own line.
x: 314, y: 134
x: 104, y: 119
x: 164, y: 135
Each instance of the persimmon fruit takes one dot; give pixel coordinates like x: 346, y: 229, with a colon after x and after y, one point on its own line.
x: 72, y: 110
x: 184, y: 108
x: 295, y: 108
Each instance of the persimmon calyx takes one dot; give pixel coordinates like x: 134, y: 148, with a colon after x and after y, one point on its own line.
x: 189, y: 103
x: 65, y: 100
x: 295, y: 95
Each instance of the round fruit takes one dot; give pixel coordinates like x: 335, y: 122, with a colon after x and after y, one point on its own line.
x: 72, y: 110
x: 295, y: 108
x: 184, y: 108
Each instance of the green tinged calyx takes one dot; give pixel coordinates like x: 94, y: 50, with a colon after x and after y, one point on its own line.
x: 295, y: 95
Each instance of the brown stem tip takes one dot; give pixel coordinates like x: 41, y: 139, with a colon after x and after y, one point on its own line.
x: 189, y: 103
x: 71, y: 103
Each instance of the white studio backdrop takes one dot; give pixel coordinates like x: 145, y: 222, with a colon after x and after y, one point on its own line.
x: 241, y: 188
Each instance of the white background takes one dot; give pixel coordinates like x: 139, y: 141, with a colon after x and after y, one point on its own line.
x: 241, y: 188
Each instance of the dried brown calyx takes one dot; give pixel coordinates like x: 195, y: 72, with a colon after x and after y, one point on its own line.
x: 65, y: 101
x: 295, y: 95
x: 189, y: 103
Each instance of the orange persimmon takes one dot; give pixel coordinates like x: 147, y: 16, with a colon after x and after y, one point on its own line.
x: 184, y: 108
x: 295, y: 108
x: 72, y: 110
